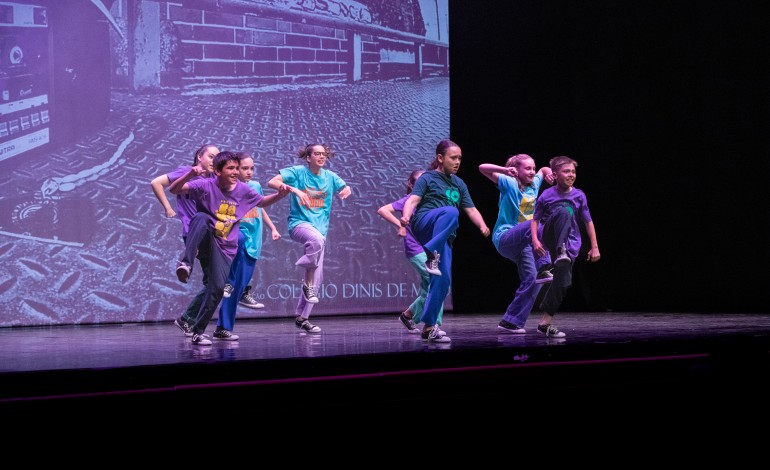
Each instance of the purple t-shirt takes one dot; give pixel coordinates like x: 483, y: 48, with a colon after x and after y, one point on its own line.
x: 550, y: 199
x: 411, y: 246
x: 185, y: 207
x: 224, y: 209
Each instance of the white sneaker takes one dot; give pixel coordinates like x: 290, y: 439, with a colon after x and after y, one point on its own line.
x: 431, y: 265
x: 228, y: 291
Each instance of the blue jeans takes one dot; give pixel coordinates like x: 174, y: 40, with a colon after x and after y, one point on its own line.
x: 240, y: 275
x: 433, y: 230
x: 516, y: 245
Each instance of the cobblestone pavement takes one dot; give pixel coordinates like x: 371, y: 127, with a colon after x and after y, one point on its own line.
x: 97, y: 248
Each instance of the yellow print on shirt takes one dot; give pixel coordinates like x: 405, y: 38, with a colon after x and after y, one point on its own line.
x: 225, y: 219
x: 317, y: 198
x: 526, y: 208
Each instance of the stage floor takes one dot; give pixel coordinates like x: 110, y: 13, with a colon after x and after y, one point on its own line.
x: 373, y: 359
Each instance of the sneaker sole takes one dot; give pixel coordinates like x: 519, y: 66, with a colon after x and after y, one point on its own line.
x: 520, y: 331
x: 182, y: 275
x: 251, y: 306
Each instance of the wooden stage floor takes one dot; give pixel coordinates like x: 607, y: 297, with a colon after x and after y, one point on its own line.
x: 680, y: 359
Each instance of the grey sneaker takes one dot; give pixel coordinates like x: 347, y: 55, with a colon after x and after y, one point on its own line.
x: 228, y: 291
x: 309, y: 293
x: 431, y: 265
x: 248, y: 300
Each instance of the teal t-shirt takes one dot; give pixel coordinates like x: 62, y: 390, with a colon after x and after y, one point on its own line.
x: 320, y: 189
x: 515, y: 206
x: 251, y: 226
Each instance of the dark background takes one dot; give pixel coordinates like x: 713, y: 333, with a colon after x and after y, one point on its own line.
x: 665, y: 107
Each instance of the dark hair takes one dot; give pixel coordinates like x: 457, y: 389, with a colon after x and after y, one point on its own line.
x: 444, y: 145
x: 307, y: 150
x: 413, y: 179
x: 557, y: 162
x: 440, y: 149
x: 221, y: 159
x: 199, y: 153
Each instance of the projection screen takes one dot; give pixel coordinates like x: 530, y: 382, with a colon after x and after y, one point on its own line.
x: 99, y: 97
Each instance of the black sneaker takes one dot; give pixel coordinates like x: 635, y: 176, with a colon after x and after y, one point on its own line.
x: 309, y: 293
x: 408, y: 323
x: 510, y: 328
x: 563, y: 259
x: 248, y: 300
x: 306, y: 325
x: 201, y: 340
x: 550, y: 331
x: 544, y: 277
x: 225, y: 335
x: 434, y: 335
x: 184, y: 326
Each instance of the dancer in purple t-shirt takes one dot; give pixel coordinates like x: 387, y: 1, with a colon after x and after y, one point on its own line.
x: 414, y: 253
x: 559, y: 209
x: 221, y: 203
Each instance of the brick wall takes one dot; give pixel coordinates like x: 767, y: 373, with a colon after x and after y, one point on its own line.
x: 237, y: 45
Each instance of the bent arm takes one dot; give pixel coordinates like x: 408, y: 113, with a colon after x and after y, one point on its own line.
x: 158, y: 186
x: 547, y: 175
x: 387, y: 212
x: 492, y: 172
x: 179, y: 186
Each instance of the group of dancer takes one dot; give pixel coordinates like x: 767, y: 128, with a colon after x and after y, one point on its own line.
x: 221, y: 210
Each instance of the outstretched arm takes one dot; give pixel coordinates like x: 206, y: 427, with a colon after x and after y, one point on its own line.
x: 477, y: 220
x: 593, y: 253
x: 493, y: 172
x: 283, y: 190
x: 158, y: 186
x: 277, y: 183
